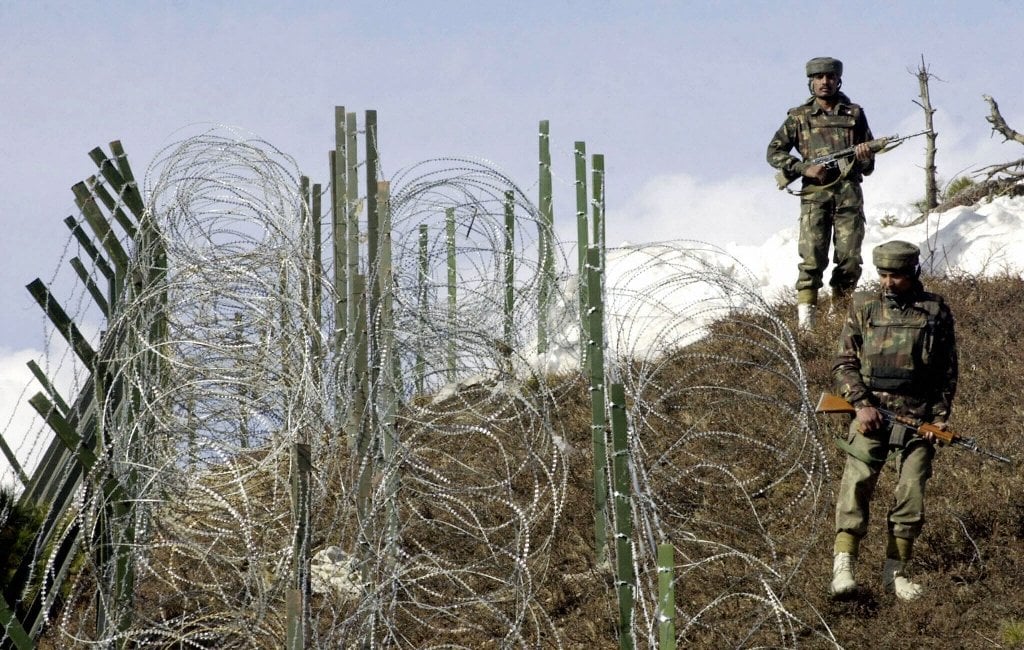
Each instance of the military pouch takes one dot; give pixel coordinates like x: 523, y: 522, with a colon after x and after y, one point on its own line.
x: 900, y: 435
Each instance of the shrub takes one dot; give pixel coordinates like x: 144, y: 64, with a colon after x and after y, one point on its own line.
x: 19, y: 526
x: 958, y: 185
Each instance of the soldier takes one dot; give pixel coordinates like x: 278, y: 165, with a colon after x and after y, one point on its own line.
x: 831, y: 201
x: 897, y: 351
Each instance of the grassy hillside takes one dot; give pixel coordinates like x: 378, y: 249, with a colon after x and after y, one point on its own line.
x: 970, y: 558
x: 496, y: 524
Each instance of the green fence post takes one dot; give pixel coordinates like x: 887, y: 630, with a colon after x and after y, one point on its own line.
x: 11, y: 626
x: 372, y: 222
x: 580, y: 150
x: 386, y: 279
x: 99, y: 191
x: 421, y: 293
x: 50, y: 388
x: 666, y: 597
x: 305, y: 281
x: 118, y: 174
x: 355, y: 327
x: 91, y: 286
x: 510, y: 271
x: 625, y: 578
x: 293, y: 612
x: 12, y: 460
x: 359, y: 429
x: 298, y: 596
x: 339, y: 226
x: 355, y: 424
x: 597, y: 163
x: 449, y: 229
x: 129, y: 191
x: 352, y: 207
x: 97, y: 257
x: 104, y: 233
x: 86, y: 202
x: 62, y: 322
x: 391, y: 370
x: 373, y: 290
x: 545, y: 238
x: 595, y: 358
x: 317, y: 289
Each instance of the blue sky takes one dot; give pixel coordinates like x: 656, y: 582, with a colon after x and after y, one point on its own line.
x: 681, y: 97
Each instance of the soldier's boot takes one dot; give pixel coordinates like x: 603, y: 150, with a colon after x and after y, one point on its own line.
x: 806, y: 316
x: 840, y: 301
x: 895, y: 579
x: 843, y: 582
x: 806, y: 308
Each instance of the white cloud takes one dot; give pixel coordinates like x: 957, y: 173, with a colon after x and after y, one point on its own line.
x: 20, y: 425
x: 22, y: 428
x: 742, y: 210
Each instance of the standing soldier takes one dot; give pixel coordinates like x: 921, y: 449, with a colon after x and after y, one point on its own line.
x: 831, y: 201
x: 897, y: 352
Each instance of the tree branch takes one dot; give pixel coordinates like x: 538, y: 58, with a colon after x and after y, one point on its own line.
x: 999, y: 125
x: 1004, y: 168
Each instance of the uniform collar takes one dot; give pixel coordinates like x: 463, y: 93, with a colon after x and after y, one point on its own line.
x: 842, y: 101
x: 908, y: 299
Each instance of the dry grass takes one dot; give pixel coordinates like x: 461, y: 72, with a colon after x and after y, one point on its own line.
x: 969, y: 558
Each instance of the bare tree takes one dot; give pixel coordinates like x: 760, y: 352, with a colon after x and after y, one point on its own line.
x: 1011, y: 171
x: 931, y: 192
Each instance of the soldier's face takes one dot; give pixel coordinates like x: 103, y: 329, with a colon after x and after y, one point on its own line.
x: 824, y: 84
x: 894, y: 283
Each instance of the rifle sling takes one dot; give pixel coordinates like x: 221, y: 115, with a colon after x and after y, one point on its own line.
x: 900, y: 435
x: 845, y: 165
x: 856, y: 453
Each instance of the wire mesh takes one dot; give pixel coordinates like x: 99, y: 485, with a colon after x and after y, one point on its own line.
x: 442, y: 492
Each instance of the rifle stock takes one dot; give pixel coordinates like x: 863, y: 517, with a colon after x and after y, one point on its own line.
x: 829, y: 403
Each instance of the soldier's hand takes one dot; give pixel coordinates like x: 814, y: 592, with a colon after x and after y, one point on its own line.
x: 863, y: 152
x: 817, y: 172
x: 869, y: 419
x: 931, y: 437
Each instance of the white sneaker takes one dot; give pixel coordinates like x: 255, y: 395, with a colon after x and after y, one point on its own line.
x: 842, y: 574
x: 894, y: 577
x: 806, y: 315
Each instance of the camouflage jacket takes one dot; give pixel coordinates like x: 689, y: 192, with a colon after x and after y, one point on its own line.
x: 899, y: 356
x: 813, y: 132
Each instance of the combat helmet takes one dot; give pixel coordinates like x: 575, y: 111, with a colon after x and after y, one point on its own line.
x: 897, y: 257
x: 823, y: 64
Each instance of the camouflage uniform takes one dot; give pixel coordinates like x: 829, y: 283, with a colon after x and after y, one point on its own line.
x: 897, y: 354
x: 833, y: 209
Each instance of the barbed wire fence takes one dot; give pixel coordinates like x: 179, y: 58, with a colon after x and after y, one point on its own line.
x: 440, y: 492
x: 741, y: 498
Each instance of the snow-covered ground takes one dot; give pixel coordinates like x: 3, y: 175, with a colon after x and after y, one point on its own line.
x: 660, y: 295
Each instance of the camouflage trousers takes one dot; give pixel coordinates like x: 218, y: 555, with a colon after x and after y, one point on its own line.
x: 913, y: 464
x: 832, y: 215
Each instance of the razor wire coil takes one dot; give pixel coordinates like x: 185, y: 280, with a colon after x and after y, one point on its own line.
x: 437, y: 508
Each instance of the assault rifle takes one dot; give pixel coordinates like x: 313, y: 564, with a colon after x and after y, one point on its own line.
x: 878, y: 145
x: 835, y: 404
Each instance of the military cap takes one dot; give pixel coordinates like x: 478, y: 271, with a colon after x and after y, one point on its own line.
x: 896, y: 256
x: 823, y: 64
